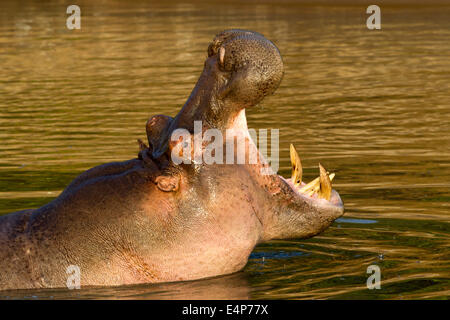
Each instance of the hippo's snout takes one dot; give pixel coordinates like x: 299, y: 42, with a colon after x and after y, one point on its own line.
x: 252, y: 63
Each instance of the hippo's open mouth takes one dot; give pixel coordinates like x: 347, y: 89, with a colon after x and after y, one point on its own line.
x: 312, y: 193
x: 318, y: 190
x: 318, y: 193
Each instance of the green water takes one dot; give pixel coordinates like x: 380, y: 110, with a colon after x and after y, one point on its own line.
x: 372, y: 106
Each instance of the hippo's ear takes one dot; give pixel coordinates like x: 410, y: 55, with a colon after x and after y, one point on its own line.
x: 168, y: 183
x: 157, y: 127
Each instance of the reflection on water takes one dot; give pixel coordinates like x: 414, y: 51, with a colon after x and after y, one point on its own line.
x: 230, y: 287
x: 373, y: 106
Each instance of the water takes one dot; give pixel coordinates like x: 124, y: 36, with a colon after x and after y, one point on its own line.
x: 372, y: 106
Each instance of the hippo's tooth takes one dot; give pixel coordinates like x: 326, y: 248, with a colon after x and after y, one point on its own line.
x: 314, y: 186
x: 310, y: 186
x: 297, y: 169
x: 325, y: 184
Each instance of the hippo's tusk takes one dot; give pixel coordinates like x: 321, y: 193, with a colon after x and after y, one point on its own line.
x: 297, y: 169
x: 325, y: 184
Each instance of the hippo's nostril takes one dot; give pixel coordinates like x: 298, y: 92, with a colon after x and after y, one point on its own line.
x: 210, y: 50
x: 213, y: 47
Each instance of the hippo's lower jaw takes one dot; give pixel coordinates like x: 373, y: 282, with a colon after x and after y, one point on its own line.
x: 332, y: 208
x: 318, y: 192
x: 311, y: 192
x: 299, y: 210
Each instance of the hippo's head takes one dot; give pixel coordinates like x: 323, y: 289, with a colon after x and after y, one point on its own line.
x: 242, y: 68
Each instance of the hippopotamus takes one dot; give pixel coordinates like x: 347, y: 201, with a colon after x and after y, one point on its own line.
x: 155, y: 218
